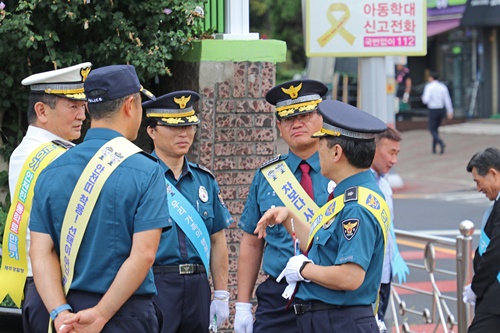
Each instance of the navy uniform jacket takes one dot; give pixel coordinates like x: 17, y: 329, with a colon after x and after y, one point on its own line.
x: 279, y: 247
x: 132, y: 200
x: 199, y: 187
x: 485, y: 282
x: 332, y: 245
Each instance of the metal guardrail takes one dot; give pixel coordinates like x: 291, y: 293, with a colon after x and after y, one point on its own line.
x: 440, y: 313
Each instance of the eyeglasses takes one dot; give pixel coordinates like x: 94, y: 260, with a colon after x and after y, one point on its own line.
x: 303, y: 118
x: 189, y: 129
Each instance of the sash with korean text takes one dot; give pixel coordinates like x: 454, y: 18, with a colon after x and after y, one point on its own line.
x: 484, y: 240
x: 84, y: 198
x: 15, y: 259
x: 367, y: 198
x: 289, y: 190
x: 190, y: 222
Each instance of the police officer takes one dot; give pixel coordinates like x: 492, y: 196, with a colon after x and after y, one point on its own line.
x: 183, y: 257
x: 299, y: 173
x: 113, y: 230
x: 56, y: 112
x: 484, y: 291
x: 339, y: 279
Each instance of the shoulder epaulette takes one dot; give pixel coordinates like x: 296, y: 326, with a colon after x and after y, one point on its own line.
x: 351, y: 194
x: 204, y: 168
x: 63, y: 144
x: 148, y: 155
x: 271, y: 161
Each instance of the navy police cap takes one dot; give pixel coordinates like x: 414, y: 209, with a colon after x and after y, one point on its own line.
x: 296, y: 97
x: 174, y: 109
x: 341, y: 119
x: 112, y: 82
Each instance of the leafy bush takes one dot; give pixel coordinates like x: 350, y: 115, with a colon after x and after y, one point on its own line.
x: 42, y: 35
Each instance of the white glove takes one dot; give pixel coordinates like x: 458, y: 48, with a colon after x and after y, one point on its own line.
x: 406, y: 97
x: 219, y: 308
x: 468, y: 295
x: 291, y: 271
x: 243, y: 320
x: 288, y: 293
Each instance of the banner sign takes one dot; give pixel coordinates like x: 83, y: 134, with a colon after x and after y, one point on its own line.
x: 366, y: 28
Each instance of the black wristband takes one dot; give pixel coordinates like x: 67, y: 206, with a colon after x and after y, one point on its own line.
x: 303, y: 265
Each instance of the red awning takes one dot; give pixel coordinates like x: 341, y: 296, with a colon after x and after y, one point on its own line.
x: 438, y: 27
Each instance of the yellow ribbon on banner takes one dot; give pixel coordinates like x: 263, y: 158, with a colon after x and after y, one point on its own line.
x: 14, y: 257
x: 366, y: 198
x: 337, y: 25
x: 289, y: 190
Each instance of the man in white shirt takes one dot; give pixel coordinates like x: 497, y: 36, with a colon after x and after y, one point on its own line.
x: 386, y: 156
x: 56, y: 111
x: 437, y: 98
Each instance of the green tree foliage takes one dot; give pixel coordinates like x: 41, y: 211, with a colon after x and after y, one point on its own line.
x: 40, y: 35
x: 282, y: 20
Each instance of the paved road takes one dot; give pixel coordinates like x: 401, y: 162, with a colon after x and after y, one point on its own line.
x: 436, y: 194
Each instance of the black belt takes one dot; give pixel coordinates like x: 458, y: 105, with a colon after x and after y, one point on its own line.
x: 283, y: 280
x: 301, y: 308
x: 181, y: 269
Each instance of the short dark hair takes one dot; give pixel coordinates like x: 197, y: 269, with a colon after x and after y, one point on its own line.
x: 150, y: 122
x: 50, y: 100
x: 358, y: 153
x: 107, y: 109
x: 484, y: 161
x: 434, y: 75
x: 390, y: 133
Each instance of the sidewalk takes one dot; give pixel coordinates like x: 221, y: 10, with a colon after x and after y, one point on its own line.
x: 420, y: 172
x: 423, y: 172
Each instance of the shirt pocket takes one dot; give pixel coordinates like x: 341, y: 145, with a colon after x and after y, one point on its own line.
x: 323, y: 249
x: 275, y: 231
x: 206, y: 212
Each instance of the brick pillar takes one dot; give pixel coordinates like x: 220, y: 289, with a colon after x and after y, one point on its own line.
x: 237, y: 132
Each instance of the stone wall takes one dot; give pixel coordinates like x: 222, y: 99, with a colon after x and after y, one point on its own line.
x: 236, y: 135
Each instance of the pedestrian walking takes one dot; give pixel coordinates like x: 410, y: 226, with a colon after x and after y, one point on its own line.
x: 437, y: 98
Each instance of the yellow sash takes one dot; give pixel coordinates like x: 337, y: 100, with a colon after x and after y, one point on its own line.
x: 366, y: 198
x: 289, y: 190
x: 15, y: 259
x: 83, y: 200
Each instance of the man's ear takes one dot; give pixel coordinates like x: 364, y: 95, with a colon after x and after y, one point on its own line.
x: 128, y: 106
x: 278, y: 123
x: 337, y: 152
x: 151, y: 132
x: 41, y: 110
x: 495, y: 173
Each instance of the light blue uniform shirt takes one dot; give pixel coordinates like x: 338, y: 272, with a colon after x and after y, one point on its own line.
x: 132, y: 200
x: 279, y: 245
x: 200, y: 188
x: 332, y: 247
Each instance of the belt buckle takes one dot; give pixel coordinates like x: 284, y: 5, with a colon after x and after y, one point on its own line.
x: 298, y: 309
x: 186, y: 269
